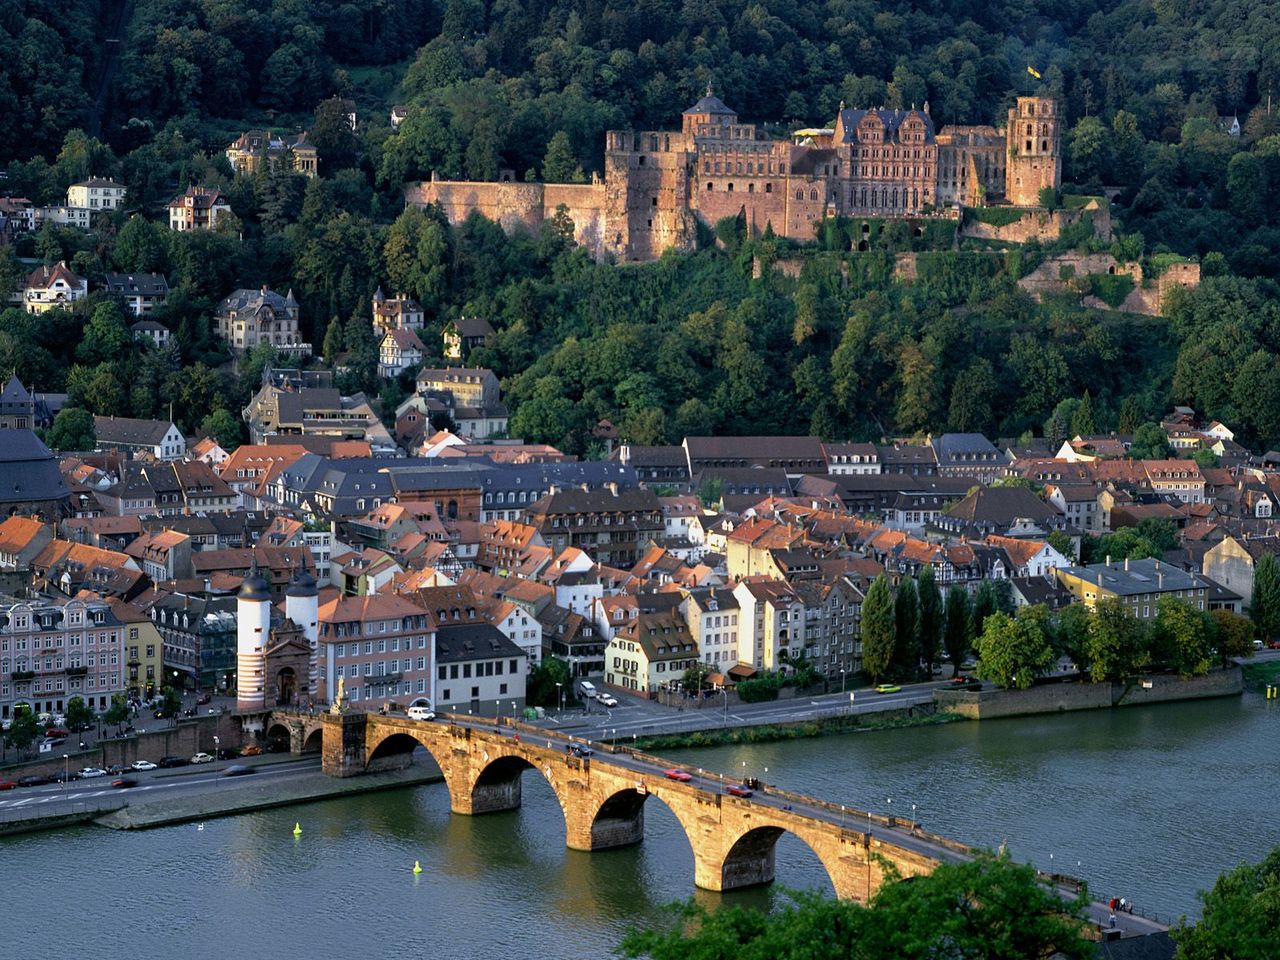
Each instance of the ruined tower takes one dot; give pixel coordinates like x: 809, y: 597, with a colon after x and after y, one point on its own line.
x: 1035, y: 150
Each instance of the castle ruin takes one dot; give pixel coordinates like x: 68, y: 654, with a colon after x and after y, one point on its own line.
x: 872, y: 163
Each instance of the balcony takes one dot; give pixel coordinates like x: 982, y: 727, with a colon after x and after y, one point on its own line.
x: 77, y: 671
x: 21, y: 676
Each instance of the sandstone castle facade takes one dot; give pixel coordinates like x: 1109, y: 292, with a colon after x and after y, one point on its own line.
x: 873, y: 163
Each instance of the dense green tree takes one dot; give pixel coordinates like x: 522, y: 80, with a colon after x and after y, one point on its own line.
x: 79, y: 715
x: 106, y: 337
x: 117, y: 713
x: 1082, y: 422
x: 1013, y: 651
x: 1233, y: 635
x: 1182, y: 637
x: 1116, y: 646
x: 72, y: 430
x: 1071, y: 635
x: 548, y: 681
x: 223, y: 426
x: 906, y: 630
x: 1241, y: 915
x: 1264, y: 609
x: 985, y: 603
x: 988, y: 908
x: 560, y: 165
x: 23, y: 729
x: 932, y: 618
x: 958, y: 638
x: 1149, y: 443
x: 878, y: 629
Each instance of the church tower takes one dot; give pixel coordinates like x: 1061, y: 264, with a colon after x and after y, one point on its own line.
x: 302, y: 606
x: 1035, y: 150
x: 253, y: 631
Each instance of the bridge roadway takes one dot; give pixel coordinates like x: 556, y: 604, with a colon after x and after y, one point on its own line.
x: 602, y: 795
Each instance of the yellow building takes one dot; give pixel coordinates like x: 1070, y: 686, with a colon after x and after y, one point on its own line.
x: 143, y: 650
x: 1138, y: 584
x: 254, y: 148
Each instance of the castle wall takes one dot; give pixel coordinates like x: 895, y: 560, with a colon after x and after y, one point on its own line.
x: 513, y: 205
x: 1042, y: 225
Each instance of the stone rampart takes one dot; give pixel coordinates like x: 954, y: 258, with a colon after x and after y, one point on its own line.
x: 1059, y: 697
x: 1042, y: 225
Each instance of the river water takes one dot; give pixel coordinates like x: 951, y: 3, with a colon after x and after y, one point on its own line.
x: 1150, y: 802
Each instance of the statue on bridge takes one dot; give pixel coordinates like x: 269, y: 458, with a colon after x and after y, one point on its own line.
x: 339, y: 704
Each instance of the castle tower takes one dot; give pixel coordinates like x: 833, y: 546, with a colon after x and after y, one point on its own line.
x: 302, y: 606
x: 1035, y: 150
x: 253, y: 629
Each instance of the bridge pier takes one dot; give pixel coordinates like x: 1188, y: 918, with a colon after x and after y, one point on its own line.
x: 751, y: 861
x: 344, y: 746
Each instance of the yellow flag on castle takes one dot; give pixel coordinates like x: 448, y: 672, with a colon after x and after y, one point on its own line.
x: 1033, y: 71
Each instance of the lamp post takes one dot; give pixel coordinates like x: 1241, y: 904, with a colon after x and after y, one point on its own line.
x: 66, y: 773
x: 889, y: 802
x: 513, y: 711
x: 913, y: 818
x: 560, y: 696
x: 216, y: 741
x: 725, y: 692
x: 842, y: 679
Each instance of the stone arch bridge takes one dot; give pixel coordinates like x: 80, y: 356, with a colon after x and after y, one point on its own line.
x: 603, y: 795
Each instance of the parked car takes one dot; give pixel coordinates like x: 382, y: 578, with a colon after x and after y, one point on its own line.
x: 676, y: 774
x: 421, y: 713
x: 227, y: 753
x: 34, y: 780
x: 169, y: 762
x: 88, y: 773
x: 888, y: 688
x: 7, y: 785
x: 237, y: 770
x: 965, y: 683
x: 738, y: 790
x: 57, y: 732
x: 203, y: 699
x: 1274, y: 644
x: 608, y: 699
x: 202, y: 757
x: 250, y: 750
x: 63, y: 776
x: 124, y: 783
x: 116, y: 769
x: 142, y: 765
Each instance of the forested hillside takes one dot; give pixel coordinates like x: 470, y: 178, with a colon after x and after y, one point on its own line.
x: 690, y: 344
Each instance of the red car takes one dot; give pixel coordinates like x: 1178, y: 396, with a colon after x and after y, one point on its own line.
x: 57, y: 732
x: 738, y: 790
x: 674, y: 774
x: 8, y: 785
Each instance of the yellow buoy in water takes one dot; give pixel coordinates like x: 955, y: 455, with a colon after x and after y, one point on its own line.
x: 297, y: 829
x: 417, y: 867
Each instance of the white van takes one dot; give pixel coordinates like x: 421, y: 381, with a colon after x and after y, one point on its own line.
x: 421, y: 713
x: 587, y: 689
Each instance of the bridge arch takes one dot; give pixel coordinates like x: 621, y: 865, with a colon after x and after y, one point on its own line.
x: 394, y: 748
x: 314, y: 742
x: 618, y: 820
x: 751, y: 859
x: 498, y: 784
x: 278, y: 733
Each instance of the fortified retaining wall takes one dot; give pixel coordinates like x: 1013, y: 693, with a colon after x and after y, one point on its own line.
x: 513, y: 205
x: 1042, y: 225
x: 1060, y: 697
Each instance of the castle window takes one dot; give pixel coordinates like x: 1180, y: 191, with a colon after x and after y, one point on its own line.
x: 1044, y: 146
x: 1028, y: 144
x: 751, y: 188
x: 642, y: 161
x: 1030, y: 128
x: 730, y: 188
x: 813, y: 194
x: 706, y: 166
x: 653, y: 201
x: 799, y: 194
x: 710, y: 187
x: 768, y: 188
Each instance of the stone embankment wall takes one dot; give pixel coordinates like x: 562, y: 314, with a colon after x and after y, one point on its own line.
x: 1060, y: 697
x: 1042, y: 225
x: 1068, y: 273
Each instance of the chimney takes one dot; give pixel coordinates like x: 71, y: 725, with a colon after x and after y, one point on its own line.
x: 1108, y: 560
x: 1126, y: 564
x: 1160, y: 579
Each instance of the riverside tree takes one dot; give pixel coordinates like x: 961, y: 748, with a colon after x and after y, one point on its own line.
x: 958, y: 638
x: 877, y: 628
x: 1182, y: 637
x: 1116, y: 646
x: 1265, y: 608
x: 906, y: 618
x: 989, y: 908
x: 1241, y: 918
x: 1013, y: 651
x: 932, y: 618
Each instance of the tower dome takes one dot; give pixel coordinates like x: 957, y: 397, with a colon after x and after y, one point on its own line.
x: 303, y: 584
x: 254, y: 588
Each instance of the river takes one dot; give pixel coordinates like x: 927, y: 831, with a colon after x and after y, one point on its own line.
x: 1151, y: 802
